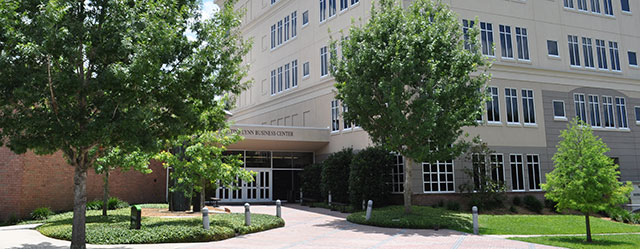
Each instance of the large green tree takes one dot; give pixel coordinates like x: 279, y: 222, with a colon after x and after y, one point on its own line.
x: 407, y: 80
x: 584, y: 178
x: 79, y: 75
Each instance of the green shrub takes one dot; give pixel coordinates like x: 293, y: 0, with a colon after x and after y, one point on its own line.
x: 621, y: 215
x: 550, y: 204
x: 13, y: 219
x: 513, y: 209
x: 115, y: 203
x: 94, y: 205
x: 41, y: 213
x: 532, y: 203
x: 488, y: 200
x: 311, y: 180
x: 335, y: 175
x: 453, y: 206
x: 635, y: 218
x: 517, y: 201
x: 368, y: 178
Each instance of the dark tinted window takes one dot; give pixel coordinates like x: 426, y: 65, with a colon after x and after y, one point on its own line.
x: 637, y: 114
x: 625, y: 5
x: 552, y: 47
x: 558, y: 109
x: 633, y: 59
x: 258, y: 159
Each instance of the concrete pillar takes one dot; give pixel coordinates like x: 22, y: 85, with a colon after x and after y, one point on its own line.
x: 247, y: 214
x: 205, y: 218
x: 278, y: 210
x: 369, y: 207
x: 474, y: 211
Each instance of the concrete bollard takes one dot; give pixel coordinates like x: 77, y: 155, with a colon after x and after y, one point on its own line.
x: 301, y: 196
x: 369, y: 207
x: 278, y: 210
x: 474, y: 211
x: 247, y: 214
x: 205, y: 218
x: 329, y: 198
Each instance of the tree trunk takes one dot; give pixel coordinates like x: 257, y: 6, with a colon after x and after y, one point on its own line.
x: 105, y: 193
x: 79, y: 207
x: 407, y: 185
x: 586, y: 217
x: 202, y: 194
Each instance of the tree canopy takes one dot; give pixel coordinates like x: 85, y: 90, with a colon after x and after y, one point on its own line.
x: 407, y: 80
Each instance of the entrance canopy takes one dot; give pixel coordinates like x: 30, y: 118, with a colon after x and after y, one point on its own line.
x: 280, y: 138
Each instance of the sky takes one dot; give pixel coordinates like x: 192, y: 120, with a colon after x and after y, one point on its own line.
x: 208, y: 8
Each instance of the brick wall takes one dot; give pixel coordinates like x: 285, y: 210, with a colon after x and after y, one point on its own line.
x: 30, y: 181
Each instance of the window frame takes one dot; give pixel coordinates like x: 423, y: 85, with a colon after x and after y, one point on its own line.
x: 511, y: 101
x: 583, y: 109
x: 532, y: 175
x: 497, y: 171
x: 569, y: 4
x: 306, y: 70
x: 628, y: 4
x: 522, y: 44
x: 324, y: 61
x: 595, y: 119
x: 513, y: 164
x: 486, y: 39
x: 608, y: 112
x: 587, y: 51
x: 506, y: 43
x: 595, y: 7
x: 335, y: 116
x: 495, y: 106
x: 305, y: 18
x: 622, y: 118
x: 531, y: 106
x: 601, y: 52
x: 438, y: 174
x: 574, y: 51
x: 557, y: 55
x: 607, y: 6
x: 637, y: 112
x: 294, y: 73
x: 397, y: 172
x: 635, y: 57
x: 614, y: 53
x: 564, y: 110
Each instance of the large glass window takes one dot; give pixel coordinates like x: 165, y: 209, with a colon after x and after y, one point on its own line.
x: 294, y: 73
x: 332, y: 8
x: 608, y: 7
x: 493, y: 105
x: 324, y: 61
x: 624, y: 4
x: 344, y: 4
x: 478, y: 162
x: 594, y: 110
x: 505, y: 42
x: 273, y: 36
x: 601, y: 51
x: 323, y: 10
x: 438, y: 177
x: 486, y: 34
x: 522, y: 43
x: 621, y: 112
x: 511, y: 98
x: 582, y: 5
x: 497, y: 168
x: 533, y: 165
x: 258, y: 159
x: 595, y: 6
x: 279, y: 32
x: 335, y: 116
x: 528, y: 107
x: 581, y: 109
x: 558, y: 109
x: 287, y: 27
x: 294, y: 24
x: 614, y: 55
x: 574, y: 50
x: 397, y: 175
x: 607, y: 111
x: 517, y: 174
x: 305, y: 18
x: 587, y: 50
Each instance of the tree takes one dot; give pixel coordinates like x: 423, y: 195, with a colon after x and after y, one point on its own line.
x: 584, y: 178
x: 116, y: 158
x: 335, y: 175
x: 487, y: 188
x: 406, y: 79
x: 78, y: 76
x: 198, y: 160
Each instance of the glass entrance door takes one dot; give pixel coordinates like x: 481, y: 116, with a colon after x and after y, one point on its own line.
x: 255, y: 191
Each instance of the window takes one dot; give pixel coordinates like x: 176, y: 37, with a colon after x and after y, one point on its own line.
x: 601, y: 51
x: 517, y: 174
x: 607, y: 111
x: 478, y: 163
x: 323, y: 10
x: 633, y: 60
x: 533, y: 165
x: 528, y: 107
x: 581, y: 112
x: 280, y: 79
x: 294, y: 24
x: 558, y: 109
x: 287, y: 26
x: 608, y: 7
x: 594, y: 111
x: 522, y: 43
x: 615, y: 57
x: 574, y: 52
x: 324, y: 61
x: 347, y: 125
x: 505, y: 42
x: 294, y: 73
x: 497, y: 168
x: 486, y: 34
x: 273, y: 36
x: 354, y: 2
x: 582, y: 5
x: 397, y: 174
x: 621, y: 111
x: 552, y: 48
x: 287, y: 77
x: 332, y: 8
x: 273, y: 82
x: 568, y: 4
x: 335, y: 115
x: 493, y: 105
x: 637, y: 109
x: 279, y: 32
x: 624, y: 4
x: 466, y: 25
x: 587, y: 50
x: 595, y: 6
x: 305, y: 18
x: 438, y: 177
x: 344, y: 4
x: 305, y: 69
x: 511, y: 96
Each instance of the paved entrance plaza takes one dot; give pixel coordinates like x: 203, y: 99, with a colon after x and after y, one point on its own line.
x: 305, y: 228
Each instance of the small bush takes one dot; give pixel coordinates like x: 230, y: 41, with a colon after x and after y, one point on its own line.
x: 94, y: 205
x: 335, y: 175
x: 621, y: 215
x: 13, y: 219
x: 513, y: 209
x: 41, y: 213
x: 115, y: 203
x: 311, y: 180
x: 517, y: 201
x: 532, y: 203
x: 635, y: 218
x: 453, y: 206
x: 550, y: 204
x: 367, y: 178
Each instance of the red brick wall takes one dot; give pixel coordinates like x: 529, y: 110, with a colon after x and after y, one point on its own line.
x: 31, y: 181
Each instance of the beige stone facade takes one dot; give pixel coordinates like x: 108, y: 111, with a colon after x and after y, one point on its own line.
x: 548, y: 78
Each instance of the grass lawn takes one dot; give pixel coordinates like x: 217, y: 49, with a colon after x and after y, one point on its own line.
x: 114, y: 229
x: 627, y: 241
x: 430, y: 218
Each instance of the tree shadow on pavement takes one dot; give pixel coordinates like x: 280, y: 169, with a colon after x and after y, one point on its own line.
x: 345, y: 225
x: 48, y: 245
x: 318, y: 210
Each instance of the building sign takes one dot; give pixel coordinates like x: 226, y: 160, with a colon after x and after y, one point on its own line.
x: 264, y: 133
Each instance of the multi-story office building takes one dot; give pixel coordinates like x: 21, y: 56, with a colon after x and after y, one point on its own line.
x: 553, y: 60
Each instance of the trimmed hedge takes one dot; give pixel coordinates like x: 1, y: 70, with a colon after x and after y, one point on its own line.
x: 369, y: 176
x: 335, y: 175
x: 311, y: 179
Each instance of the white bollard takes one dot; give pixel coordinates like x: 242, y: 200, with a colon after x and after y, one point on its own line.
x: 205, y: 218
x: 474, y: 211
x: 301, y: 195
x: 329, y: 198
x: 247, y: 214
x: 278, y: 211
x: 369, y: 206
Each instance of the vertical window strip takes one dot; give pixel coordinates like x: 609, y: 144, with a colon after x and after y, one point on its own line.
x: 287, y: 77
x: 615, y: 56
x: 579, y: 101
x: 621, y: 111
x: 587, y: 50
x: 505, y: 42
x: 607, y: 110
x: 528, y: 107
x: 608, y: 7
x: 273, y: 82
x: 493, y: 105
x: 486, y: 34
x: 517, y: 174
x: 568, y: 4
x: 574, y: 50
x: 323, y: 10
x: 279, y: 32
x: 335, y: 114
x: 332, y: 8
x: 595, y: 6
x: 594, y: 110
x: 497, y: 168
x: 273, y: 36
x: 280, y: 79
x: 397, y: 175
x: 294, y: 24
x: 522, y: 43
x: 294, y: 73
x: 324, y: 66
x: 344, y: 4
x: 346, y: 125
x: 511, y: 97
x: 582, y: 5
x: 287, y: 27
x: 533, y: 166
x: 305, y: 69
x: 601, y: 51
x: 466, y: 25
x: 479, y: 170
